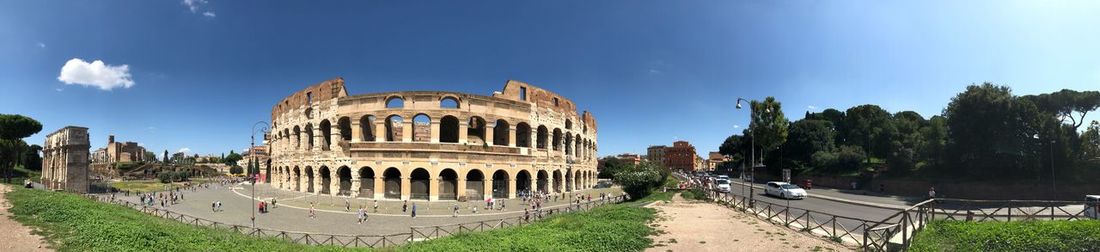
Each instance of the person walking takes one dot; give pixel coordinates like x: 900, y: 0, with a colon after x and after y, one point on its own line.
x: 274, y: 203
x: 347, y: 206
x: 414, y: 211
x: 213, y: 206
x: 455, y: 214
x: 361, y: 214
x: 312, y: 211
x: 375, y: 206
x: 931, y: 192
x: 405, y: 206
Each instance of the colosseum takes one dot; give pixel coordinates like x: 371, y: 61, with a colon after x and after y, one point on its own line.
x: 431, y: 145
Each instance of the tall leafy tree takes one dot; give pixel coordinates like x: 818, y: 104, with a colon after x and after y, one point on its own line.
x: 13, y: 128
x: 870, y: 127
x: 993, y: 132
x: 807, y: 137
x: 769, y: 123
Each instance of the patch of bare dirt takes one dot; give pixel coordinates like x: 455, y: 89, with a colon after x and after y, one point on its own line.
x: 16, y: 236
x: 699, y: 226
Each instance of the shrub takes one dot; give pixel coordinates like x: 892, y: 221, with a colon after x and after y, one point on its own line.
x: 236, y: 169
x: 639, y: 180
x: 1081, y: 235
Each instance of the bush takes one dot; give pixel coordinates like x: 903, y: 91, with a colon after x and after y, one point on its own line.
x: 173, y: 176
x: 639, y: 180
x: 1082, y: 235
x: 236, y: 169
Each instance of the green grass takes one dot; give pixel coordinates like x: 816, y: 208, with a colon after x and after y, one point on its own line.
x: 19, y: 174
x: 1009, y: 236
x: 73, y: 223
x: 143, y: 185
x: 620, y: 227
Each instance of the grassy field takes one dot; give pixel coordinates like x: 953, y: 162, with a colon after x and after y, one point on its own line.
x: 20, y: 173
x: 147, y: 185
x: 1009, y: 236
x: 73, y: 223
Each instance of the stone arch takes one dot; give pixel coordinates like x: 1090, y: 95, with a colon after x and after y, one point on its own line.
x: 366, y: 128
x: 392, y: 178
x: 309, y: 179
x: 297, y: 179
x: 344, y: 174
x: 523, y: 135
x: 366, y: 182
x: 523, y: 181
x: 449, y: 102
x: 422, y: 128
x: 448, y: 129
x: 448, y: 184
x: 309, y: 136
x: 540, y: 141
x: 326, y: 180
x: 542, y: 183
x: 475, y: 131
x: 419, y: 184
x: 475, y: 185
x: 577, y: 180
x: 345, y: 128
x: 395, y: 102
x: 579, y: 146
x: 568, y: 144
x: 558, y: 181
x: 297, y: 137
x: 267, y: 169
x: 326, y: 134
x: 394, y: 124
x: 568, y: 124
x: 286, y: 137
x: 557, y: 139
x: 500, y: 184
x: 500, y: 133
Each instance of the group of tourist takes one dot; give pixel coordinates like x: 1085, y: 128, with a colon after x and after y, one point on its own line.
x: 170, y: 197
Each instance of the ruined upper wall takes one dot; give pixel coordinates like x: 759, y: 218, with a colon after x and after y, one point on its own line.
x: 544, y: 99
x: 325, y: 90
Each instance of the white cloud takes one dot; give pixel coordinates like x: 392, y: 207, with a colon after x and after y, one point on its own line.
x: 95, y: 74
x: 811, y: 107
x: 735, y: 126
x: 40, y: 45
x: 59, y: 89
x: 209, y: 14
x: 184, y: 150
x: 194, y: 5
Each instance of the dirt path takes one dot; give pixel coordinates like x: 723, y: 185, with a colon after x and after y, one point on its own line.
x: 699, y: 226
x: 16, y: 236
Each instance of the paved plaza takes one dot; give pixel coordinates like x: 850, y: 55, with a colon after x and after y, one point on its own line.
x: 292, y: 212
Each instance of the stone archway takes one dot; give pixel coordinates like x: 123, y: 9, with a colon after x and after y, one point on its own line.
x: 392, y: 178
x: 419, y: 184
x: 366, y: 182
x: 326, y: 180
x: 344, y: 173
x: 448, y: 184
x: 500, y: 184
x: 542, y: 183
x: 475, y: 185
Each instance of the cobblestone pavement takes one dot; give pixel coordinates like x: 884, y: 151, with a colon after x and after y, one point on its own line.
x: 331, y: 218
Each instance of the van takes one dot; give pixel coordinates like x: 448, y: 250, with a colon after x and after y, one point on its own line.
x: 1092, y: 206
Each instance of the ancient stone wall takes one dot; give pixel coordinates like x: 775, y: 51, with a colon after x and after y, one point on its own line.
x: 65, y: 160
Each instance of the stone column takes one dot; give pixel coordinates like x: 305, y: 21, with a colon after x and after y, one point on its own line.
x: 317, y: 182
x: 356, y: 131
x: 407, y: 129
x: 380, y: 125
x: 334, y: 183
x: 379, y: 187
x: 317, y: 140
x: 512, y: 188
x: 487, y: 190
x: 511, y: 136
x: 460, y: 188
x: 356, y: 187
x: 435, y: 130
x: 550, y: 182
x: 406, y: 192
x: 462, y: 128
x: 433, y: 189
x: 489, y: 134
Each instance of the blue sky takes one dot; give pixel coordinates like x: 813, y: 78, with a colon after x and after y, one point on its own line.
x: 202, y: 72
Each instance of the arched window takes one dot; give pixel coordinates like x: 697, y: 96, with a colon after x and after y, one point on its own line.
x: 475, y: 131
x: 309, y: 136
x: 500, y: 133
x: 448, y: 102
x: 568, y: 124
x: 557, y: 139
x: 393, y: 128
x: 523, y: 135
x: 326, y: 134
x: 448, y: 129
x: 540, y: 140
x: 345, y: 128
x: 297, y: 137
x: 395, y: 102
x: 422, y: 128
x: 366, y: 128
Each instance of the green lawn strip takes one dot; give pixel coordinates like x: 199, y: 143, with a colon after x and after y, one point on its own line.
x: 620, y: 227
x: 73, y: 223
x: 1081, y: 235
x: 144, y: 186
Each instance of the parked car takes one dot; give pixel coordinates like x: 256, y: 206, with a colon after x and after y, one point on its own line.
x: 1092, y: 206
x: 784, y: 190
x: 722, y: 185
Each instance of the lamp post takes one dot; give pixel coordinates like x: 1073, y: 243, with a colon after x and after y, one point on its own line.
x: 752, y: 132
x: 251, y: 158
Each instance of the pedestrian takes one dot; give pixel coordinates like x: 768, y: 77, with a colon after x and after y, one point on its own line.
x: 882, y: 188
x: 213, y: 205
x: 219, y: 206
x: 273, y: 203
x: 360, y: 214
x: 405, y: 206
x: 375, y: 206
x: 526, y: 215
x: 347, y: 206
x: 312, y: 210
x: 931, y: 192
x: 455, y: 214
x: 414, y: 211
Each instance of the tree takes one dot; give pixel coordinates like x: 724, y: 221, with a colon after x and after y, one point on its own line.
x: 836, y: 117
x: 13, y: 128
x: 608, y: 166
x: 806, y: 138
x: 870, y: 127
x: 1090, y: 142
x: 236, y: 169
x: 769, y: 124
x: 232, y: 158
x: 639, y: 180
x: 32, y: 160
x: 990, y: 131
x: 1065, y: 102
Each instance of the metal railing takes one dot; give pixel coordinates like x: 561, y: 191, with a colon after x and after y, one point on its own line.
x: 816, y: 223
x: 896, y: 233
x: 416, y: 233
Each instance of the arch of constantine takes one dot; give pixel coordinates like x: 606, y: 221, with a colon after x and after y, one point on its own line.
x: 430, y: 145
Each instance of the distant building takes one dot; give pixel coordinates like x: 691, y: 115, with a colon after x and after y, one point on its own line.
x: 681, y: 156
x: 65, y: 160
x: 714, y: 159
x: 116, y: 152
x: 630, y: 158
x: 656, y: 153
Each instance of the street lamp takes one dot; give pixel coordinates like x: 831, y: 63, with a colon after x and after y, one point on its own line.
x: 752, y: 132
x: 251, y: 160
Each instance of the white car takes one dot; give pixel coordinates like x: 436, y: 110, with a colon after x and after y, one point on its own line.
x: 784, y: 190
x: 1092, y: 206
x: 722, y: 185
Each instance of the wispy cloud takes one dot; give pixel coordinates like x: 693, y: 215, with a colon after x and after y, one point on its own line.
x: 95, y: 74
x: 209, y: 14
x: 59, y: 89
x: 200, y: 7
x: 735, y: 126
x: 184, y: 150
x: 658, y: 67
x: 811, y: 107
x: 40, y: 45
